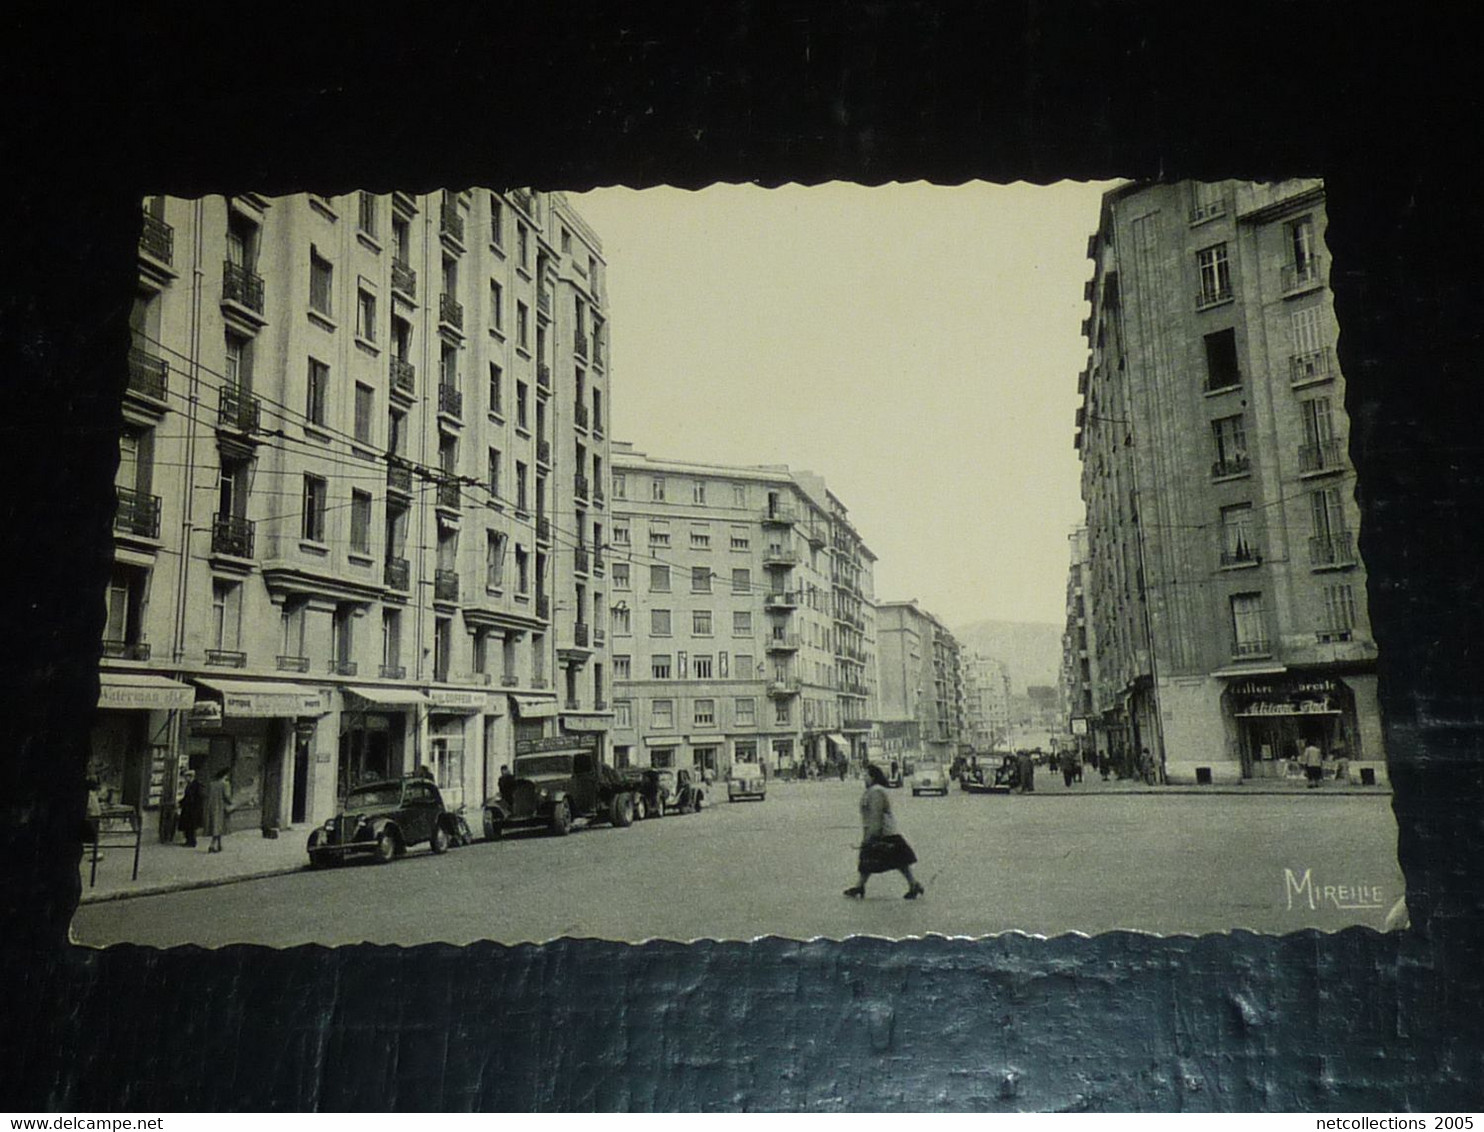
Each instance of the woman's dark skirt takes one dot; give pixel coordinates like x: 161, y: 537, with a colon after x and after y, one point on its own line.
x: 886, y: 854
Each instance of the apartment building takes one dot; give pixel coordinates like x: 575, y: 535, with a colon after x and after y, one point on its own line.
x: 1076, y: 681
x: 361, y: 495
x: 1224, y: 588
x: 986, y: 702
x: 920, y: 670
x: 739, y: 617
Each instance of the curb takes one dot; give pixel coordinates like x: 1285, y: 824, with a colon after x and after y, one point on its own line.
x: 163, y: 887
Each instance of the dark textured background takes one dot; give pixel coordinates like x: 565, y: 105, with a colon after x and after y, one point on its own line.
x: 103, y: 108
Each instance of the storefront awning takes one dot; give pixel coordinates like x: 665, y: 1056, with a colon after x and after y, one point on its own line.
x: 138, y: 691
x: 1250, y: 670
x: 264, y: 699
x: 388, y: 697
x: 535, y: 707
x: 839, y: 740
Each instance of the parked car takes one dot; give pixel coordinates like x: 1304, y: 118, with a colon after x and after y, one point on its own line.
x: 557, y: 789
x: 982, y: 778
x: 747, y: 781
x: 384, y: 819
x: 929, y: 777
x: 893, y: 774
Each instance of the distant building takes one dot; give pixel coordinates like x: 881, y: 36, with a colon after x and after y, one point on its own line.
x: 1076, y: 681
x: 1224, y: 586
x: 986, y: 703
x: 921, y: 675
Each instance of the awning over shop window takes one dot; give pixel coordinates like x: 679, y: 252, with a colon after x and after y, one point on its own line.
x: 535, y: 707
x: 839, y: 740
x: 263, y: 699
x: 456, y: 700
x: 138, y: 691
x: 387, y: 697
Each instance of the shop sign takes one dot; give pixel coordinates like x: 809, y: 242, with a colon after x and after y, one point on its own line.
x: 1284, y: 689
x: 585, y: 723
x: 141, y: 696
x: 305, y: 728
x: 556, y: 743
x: 454, y: 699
x: 206, y: 712
x: 1079, y: 725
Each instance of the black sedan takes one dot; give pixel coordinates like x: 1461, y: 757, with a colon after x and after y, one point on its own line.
x: 383, y: 820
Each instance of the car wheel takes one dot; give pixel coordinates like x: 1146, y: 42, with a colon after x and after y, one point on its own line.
x: 494, y: 830
x: 561, y: 818
x: 438, y: 843
x: 317, y: 861
x: 700, y: 801
x: 622, y: 810
x: 641, y: 807
x: 386, y: 847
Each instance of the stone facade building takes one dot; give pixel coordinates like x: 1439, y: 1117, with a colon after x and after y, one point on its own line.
x: 921, y: 674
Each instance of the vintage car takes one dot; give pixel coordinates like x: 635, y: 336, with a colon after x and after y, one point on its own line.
x: 383, y: 819
x: 665, y: 791
x: 556, y: 789
x: 893, y: 771
x: 981, y: 778
x: 747, y: 781
x: 929, y: 777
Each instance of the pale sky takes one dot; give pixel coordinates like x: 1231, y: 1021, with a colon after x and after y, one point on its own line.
x: 916, y: 345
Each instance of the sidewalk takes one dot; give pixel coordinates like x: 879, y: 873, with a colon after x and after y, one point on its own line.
x: 170, y: 868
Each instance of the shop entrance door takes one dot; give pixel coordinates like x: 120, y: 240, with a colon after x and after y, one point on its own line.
x: 299, y: 805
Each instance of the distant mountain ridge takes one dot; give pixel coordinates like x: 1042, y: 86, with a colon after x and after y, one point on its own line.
x: 1030, y: 650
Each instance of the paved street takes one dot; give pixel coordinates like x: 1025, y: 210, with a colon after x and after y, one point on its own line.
x: 1088, y: 859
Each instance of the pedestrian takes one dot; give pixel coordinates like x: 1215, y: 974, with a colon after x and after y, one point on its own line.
x: 843, y: 765
x: 1313, y: 763
x: 1068, y: 760
x: 218, y: 806
x: 192, y: 802
x: 1146, y: 767
x: 882, y: 847
x: 1105, y: 764
x: 1025, y: 770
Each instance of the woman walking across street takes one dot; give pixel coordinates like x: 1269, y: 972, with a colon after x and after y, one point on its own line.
x: 218, y: 804
x: 882, y: 847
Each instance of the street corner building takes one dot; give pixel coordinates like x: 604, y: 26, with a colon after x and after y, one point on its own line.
x: 361, y: 499
x: 1218, y: 607
x: 743, y: 620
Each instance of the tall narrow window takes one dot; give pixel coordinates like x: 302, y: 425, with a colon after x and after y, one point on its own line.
x: 1238, y: 542
x: 366, y: 218
x: 1229, y: 435
x: 1215, y: 275
x: 1330, y: 541
x: 1302, y: 269
x: 494, y: 559
x: 497, y: 306
x: 360, y: 522
x: 318, y: 386
x: 365, y: 412
x: 1310, y: 359
x: 366, y: 315
x: 1339, y: 613
x: 226, y: 615
x: 1249, y: 631
x: 1221, y: 360
x: 1321, y: 450
x: 321, y: 275
x: 315, y: 493
x: 391, y: 643
x: 497, y: 390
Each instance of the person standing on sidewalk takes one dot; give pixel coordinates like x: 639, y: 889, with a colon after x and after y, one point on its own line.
x: 1313, y: 762
x: 882, y: 847
x: 192, y: 803
x: 218, y: 806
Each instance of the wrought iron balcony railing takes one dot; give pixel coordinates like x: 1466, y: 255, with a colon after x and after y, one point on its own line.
x: 149, y: 376
x: 598, y: 496
x: 598, y: 635
x: 138, y: 513
x: 580, y: 635
x: 227, y: 658
x: 232, y: 535
x: 450, y: 311
x: 779, y: 515
x: 580, y: 561
x: 787, y: 599
x: 1255, y: 646
x: 1334, y: 549
x: 1301, y: 276
x: 543, y: 529
x: 403, y: 377
x: 450, y: 400
x: 1242, y: 556
x: 1325, y: 456
x: 1230, y: 466
x: 398, y: 574
x: 398, y: 476
x: 450, y: 223
x: 450, y: 497
x: 525, y: 200
x: 579, y: 344
x: 157, y: 239
x: 446, y: 585
x: 579, y: 486
x: 393, y: 672
x: 543, y: 452
x: 543, y: 301
x: 125, y: 650
x: 404, y: 278
x: 579, y: 414
x: 543, y: 609
x: 343, y: 668
x: 292, y: 663
x: 780, y: 556
x: 1310, y: 366
x: 240, y: 411
x: 1210, y: 296
x: 788, y: 642
x: 242, y: 285
x: 543, y: 376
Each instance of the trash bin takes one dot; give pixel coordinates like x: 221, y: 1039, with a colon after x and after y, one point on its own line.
x: 1368, y: 776
x: 1203, y: 776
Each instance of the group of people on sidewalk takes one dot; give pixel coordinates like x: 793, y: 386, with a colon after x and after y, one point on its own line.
x: 205, y: 809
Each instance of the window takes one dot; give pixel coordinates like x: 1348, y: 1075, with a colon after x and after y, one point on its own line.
x: 701, y: 666
x: 741, y: 539
x: 497, y: 221
x: 682, y: 670
x: 1206, y: 201
x: 1238, y: 540
x: 705, y: 713
x: 342, y: 635
x: 360, y: 522
x: 365, y: 315
x: 494, y: 559
x: 721, y: 665
x: 391, y: 639
x: 522, y: 570
x: 1249, y: 635
x: 700, y: 579
x: 782, y: 713
x: 522, y: 326
x: 1320, y: 451
x: 1229, y: 435
x: 522, y: 400
x: 1309, y: 358
x: 238, y: 372
x: 442, y: 647
x: 659, y: 533
x: 401, y: 241
x: 620, y: 534
x: 622, y: 667
x: 494, y: 473
x: 318, y: 387
x: 315, y: 493
x: 739, y: 495
x: 366, y: 219
x: 659, y: 666
x: 741, y: 623
x: 497, y: 390
x: 659, y: 579
x: 657, y: 489
x: 1221, y: 360
x: 662, y: 758
x: 523, y: 245
x: 741, y: 581
x: 497, y: 306
x: 1339, y: 613
x: 321, y: 275
x: 1302, y: 269
x: 365, y: 413
x: 621, y: 623
x: 620, y: 572
x: 623, y: 714
x: 659, y: 622
x: 745, y: 709
x: 566, y: 242
x: 226, y: 615
x: 291, y: 622
x: 698, y: 491
x: 1215, y: 276
x: 521, y: 483
x: 701, y: 623
x: 700, y: 538
x: 620, y: 486
x: 1330, y: 542
x: 742, y: 665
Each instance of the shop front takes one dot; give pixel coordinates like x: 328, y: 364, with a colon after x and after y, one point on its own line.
x: 588, y: 725
x: 133, y: 744
x: 1274, y: 718
x: 262, y: 733
x: 456, y: 727
x: 378, y: 734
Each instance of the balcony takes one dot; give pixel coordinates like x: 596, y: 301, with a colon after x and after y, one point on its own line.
x: 579, y: 486
x: 1316, y: 365
x: 597, y: 425
x: 543, y: 611
x: 398, y: 476
x: 598, y: 497
x: 580, y: 561
x: 232, y: 535
x: 816, y: 534
x: 242, y: 286
x: 226, y: 658
x: 525, y: 200
x: 397, y: 574
x: 571, y: 705
x: 393, y: 671
x: 239, y: 410
x: 779, y: 516
x: 579, y: 414
x: 1257, y: 646
x: 600, y: 705
x: 597, y: 349
x: 450, y: 223
x: 597, y: 559
x: 579, y: 344
x: 855, y: 725
x: 787, y: 599
x: 149, y: 376
x: 403, y: 377
x: 543, y: 452
x: 543, y: 301
x: 780, y: 556
x: 138, y: 514
x: 1211, y: 296
x: 784, y: 687
x: 1325, y: 456
x: 450, y: 496
x: 292, y: 663
x: 788, y: 642
x: 543, y: 529
x: 1301, y: 276
x: 599, y: 635
x: 157, y: 239
x: 1208, y: 210
x: 125, y: 650
x: 404, y: 278
x: 1242, y: 556
x: 580, y: 634
x: 1230, y: 466
x: 446, y: 585
x: 543, y: 376
x: 450, y: 401
x: 342, y: 668
x: 1334, y: 549
x: 450, y: 311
